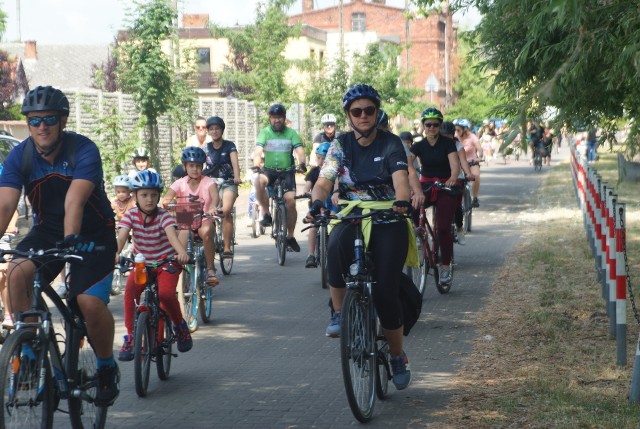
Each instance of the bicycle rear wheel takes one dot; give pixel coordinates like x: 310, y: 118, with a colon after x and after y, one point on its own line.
x: 357, y: 353
x: 280, y: 230
x: 190, y: 278
x: 467, y: 209
x: 383, y: 372
x: 323, y: 238
x: 24, y: 404
x: 226, y: 262
x: 164, y: 346
x: 81, y: 365
x: 143, y: 344
x: 419, y: 274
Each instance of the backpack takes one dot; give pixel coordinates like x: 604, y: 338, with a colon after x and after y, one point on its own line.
x: 27, y: 155
x: 411, y: 302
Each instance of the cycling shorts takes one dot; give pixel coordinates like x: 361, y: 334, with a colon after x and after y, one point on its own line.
x: 288, y: 182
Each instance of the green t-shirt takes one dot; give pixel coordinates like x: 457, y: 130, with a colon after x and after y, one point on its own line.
x: 278, y: 147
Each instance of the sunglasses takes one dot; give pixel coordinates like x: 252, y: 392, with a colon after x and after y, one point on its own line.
x: 357, y: 112
x: 201, y: 127
x: 432, y: 125
x: 35, y: 121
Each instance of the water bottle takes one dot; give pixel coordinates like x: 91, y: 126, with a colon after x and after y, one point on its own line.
x: 140, y: 270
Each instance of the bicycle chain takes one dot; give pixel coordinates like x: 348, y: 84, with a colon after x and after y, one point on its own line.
x: 632, y: 298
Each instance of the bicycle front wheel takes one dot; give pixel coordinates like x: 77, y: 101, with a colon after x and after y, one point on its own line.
x: 164, y: 346
x: 383, y: 372
x: 280, y: 230
x: 419, y: 274
x: 255, y: 227
x: 190, y: 278
x: 25, y: 404
x: 226, y: 262
x: 323, y: 237
x: 357, y: 354
x: 205, y: 295
x: 142, y: 349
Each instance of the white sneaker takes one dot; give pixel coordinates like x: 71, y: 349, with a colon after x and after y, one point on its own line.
x: 61, y: 290
x: 460, y: 237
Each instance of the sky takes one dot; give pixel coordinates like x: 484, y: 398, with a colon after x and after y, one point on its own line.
x: 98, y: 21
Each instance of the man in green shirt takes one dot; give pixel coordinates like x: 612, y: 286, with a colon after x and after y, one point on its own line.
x: 277, y: 143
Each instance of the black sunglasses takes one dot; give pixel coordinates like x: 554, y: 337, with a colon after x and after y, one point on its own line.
x: 432, y: 124
x: 357, y: 112
x: 35, y: 121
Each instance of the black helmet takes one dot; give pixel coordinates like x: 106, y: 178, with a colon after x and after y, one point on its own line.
x: 406, y: 135
x: 383, y: 119
x: 277, y: 110
x: 43, y: 98
x: 432, y: 113
x: 215, y: 120
x: 447, y: 128
x: 360, y: 91
x: 193, y: 154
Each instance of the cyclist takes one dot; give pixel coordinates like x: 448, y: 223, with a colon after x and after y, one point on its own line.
x: 66, y: 189
x: 222, y: 163
x: 278, y: 143
x: 155, y: 237
x: 329, y: 133
x: 439, y: 162
x: 547, y: 144
x: 474, y: 152
x: 140, y: 161
x: 201, y: 137
x: 371, y: 168
x: 204, y: 189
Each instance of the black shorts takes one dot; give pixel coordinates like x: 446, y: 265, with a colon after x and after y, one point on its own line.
x: 288, y: 181
x: 93, y: 275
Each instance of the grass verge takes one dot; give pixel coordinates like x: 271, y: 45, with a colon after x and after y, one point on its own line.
x: 543, y: 357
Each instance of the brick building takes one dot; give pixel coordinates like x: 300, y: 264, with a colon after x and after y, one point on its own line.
x: 429, y: 44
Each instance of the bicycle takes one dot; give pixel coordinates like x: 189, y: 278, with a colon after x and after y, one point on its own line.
x: 226, y: 261
x: 119, y: 281
x: 256, y: 227
x: 35, y: 376
x: 196, y: 294
x: 278, y: 208
x: 537, y: 160
x: 322, y: 238
x: 467, y: 206
x: 364, y: 351
x: 152, y: 334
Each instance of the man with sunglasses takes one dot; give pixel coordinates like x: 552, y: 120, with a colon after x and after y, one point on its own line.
x: 278, y: 143
x: 201, y: 137
x: 66, y: 189
x: 370, y: 166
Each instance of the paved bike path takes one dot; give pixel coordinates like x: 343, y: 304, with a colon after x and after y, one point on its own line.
x: 264, y: 362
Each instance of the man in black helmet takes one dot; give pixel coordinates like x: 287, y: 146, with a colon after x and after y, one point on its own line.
x: 64, y: 183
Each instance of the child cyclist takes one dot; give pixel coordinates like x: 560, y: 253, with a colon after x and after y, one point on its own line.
x: 123, y: 200
x: 204, y: 189
x: 155, y: 236
x: 140, y: 161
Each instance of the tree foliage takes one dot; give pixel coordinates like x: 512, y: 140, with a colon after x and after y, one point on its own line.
x: 7, y: 86
x: 258, y: 64
x: 105, y: 75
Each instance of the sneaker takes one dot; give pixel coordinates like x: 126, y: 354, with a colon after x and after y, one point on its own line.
x: 333, y: 330
x: 311, y: 262
x: 460, y: 237
x: 445, y: 276
x: 293, y: 244
x: 475, y: 203
x: 108, y: 385
x: 61, y: 290
x: 183, y: 337
x: 400, y: 370
x: 266, y: 220
x: 126, y: 351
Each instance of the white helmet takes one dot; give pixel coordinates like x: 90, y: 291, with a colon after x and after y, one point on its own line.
x: 122, y: 180
x: 328, y: 118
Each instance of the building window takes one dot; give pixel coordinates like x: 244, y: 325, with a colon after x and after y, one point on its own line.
x: 358, y: 22
x: 204, y: 59
x: 312, y: 54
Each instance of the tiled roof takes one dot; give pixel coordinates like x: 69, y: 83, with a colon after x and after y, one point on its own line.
x: 62, y: 66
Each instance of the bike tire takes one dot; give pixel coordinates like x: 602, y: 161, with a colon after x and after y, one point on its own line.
x: 323, y: 238
x: 81, y: 368
x: 383, y: 371
x: 467, y: 210
x: 419, y: 274
x: 190, y: 278
x: 143, y: 346
x: 357, y: 355
x: 255, y: 224
x: 164, y: 347
x: 226, y: 262
x: 280, y: 230
x: 20, y: 397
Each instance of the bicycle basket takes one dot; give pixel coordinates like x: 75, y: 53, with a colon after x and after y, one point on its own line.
x: 187, y: 215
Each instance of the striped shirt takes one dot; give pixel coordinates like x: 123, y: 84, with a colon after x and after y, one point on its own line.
x: 150, y: 239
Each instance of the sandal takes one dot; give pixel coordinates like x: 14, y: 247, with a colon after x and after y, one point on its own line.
x: 212, y: 279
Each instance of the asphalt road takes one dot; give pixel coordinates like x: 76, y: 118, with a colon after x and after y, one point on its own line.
x: 264, y: 362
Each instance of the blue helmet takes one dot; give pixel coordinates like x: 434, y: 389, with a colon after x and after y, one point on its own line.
x: 323, y: 148
x: 146, y: 179
x: 193, y: 154
x: 464, y: 123
x: 121, y: 180
x: 360, y: 91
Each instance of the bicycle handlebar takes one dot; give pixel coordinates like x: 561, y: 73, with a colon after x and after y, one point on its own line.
x: 383, y: 214
x: 125, y: 263
x: 57, y: 252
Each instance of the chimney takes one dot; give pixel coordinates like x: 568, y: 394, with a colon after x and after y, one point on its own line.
x: 307, y: 6
x: 30, y: 51
x: 195, y: 20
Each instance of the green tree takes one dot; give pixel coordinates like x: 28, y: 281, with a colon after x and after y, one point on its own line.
x: 258, y: 64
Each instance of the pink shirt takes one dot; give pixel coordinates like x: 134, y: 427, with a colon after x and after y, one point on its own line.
x: 182, y: 189
x: 469, y: 143
x: 149, y: 238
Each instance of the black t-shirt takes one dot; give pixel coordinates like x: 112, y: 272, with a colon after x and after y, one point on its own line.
x: 312, y: 176
x: 434, y: 159
x: 218, y: 162
x: 322, y: 137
